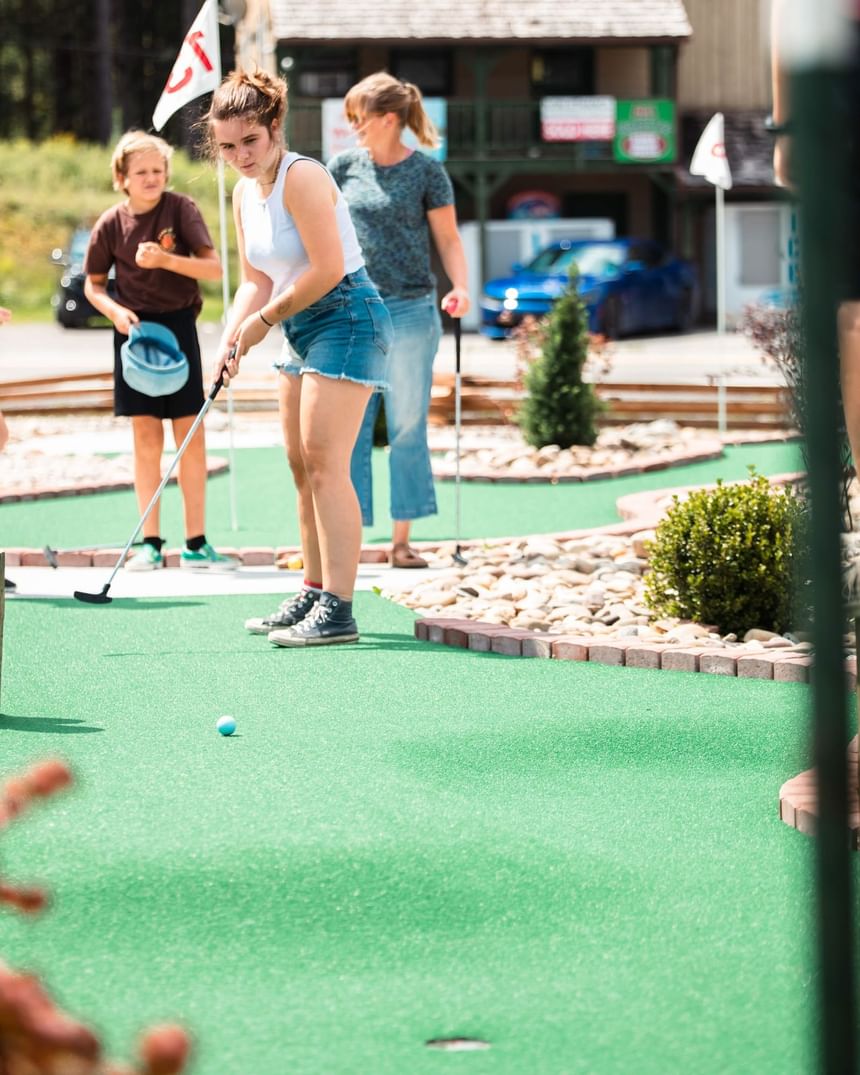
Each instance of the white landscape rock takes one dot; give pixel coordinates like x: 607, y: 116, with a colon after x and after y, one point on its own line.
x: 521, y: 583
x: 500, y: 451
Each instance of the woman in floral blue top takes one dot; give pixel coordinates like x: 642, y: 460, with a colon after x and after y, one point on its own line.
x: 398, y: 199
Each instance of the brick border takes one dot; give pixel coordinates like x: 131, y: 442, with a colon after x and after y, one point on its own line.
x: 248, y: 556
x: 214, y: 465
x: 790, y: 667
x: 640, y: 511
x: 712, y: 449
x: 650, y: 505
x: 798, y: 800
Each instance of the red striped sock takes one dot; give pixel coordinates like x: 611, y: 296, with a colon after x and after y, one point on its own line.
x: 308, y: 585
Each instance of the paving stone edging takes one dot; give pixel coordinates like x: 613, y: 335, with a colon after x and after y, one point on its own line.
x: 639, y: 511
x: 798, y: 800
x: 214, y: 465
x: 706, y: 449
x: 248, y: 556
x: 621, y: 652
x: 642, y: 512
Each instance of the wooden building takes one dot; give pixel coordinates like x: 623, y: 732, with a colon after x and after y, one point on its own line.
x: 494, y: 66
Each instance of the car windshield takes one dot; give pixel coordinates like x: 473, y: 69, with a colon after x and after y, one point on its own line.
x: 592, y: 259
x: 78, y: 246
x: 546, y: 259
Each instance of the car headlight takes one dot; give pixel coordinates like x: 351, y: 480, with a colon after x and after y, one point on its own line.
x: 510, y: 304
x: 491, y: 304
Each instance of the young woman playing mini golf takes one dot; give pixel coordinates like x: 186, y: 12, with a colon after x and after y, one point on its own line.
x: 302, y: 267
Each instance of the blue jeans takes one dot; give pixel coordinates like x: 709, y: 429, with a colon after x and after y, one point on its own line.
x: 346, y: 335
x: 417, y: 331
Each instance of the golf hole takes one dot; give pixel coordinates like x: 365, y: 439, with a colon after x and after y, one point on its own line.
x: 457, y: 1045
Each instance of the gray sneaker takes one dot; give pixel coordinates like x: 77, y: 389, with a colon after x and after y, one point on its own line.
x: 290, y: 612
x: 329, y: 621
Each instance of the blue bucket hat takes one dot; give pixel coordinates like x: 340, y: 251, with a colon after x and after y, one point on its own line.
x: 152, y: 361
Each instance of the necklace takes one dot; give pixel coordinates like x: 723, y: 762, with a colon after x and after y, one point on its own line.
x: 270, y: 182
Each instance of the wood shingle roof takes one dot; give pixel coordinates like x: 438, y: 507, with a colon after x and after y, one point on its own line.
x: 590, y: 21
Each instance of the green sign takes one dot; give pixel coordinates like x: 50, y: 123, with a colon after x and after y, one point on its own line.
x: 645, y: 131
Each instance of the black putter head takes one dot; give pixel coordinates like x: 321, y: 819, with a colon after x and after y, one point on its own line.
x: 94, y: 598
x: 459, y: 558
x: 51, y: 556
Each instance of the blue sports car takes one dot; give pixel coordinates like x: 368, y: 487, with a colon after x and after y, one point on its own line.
x: 627, y: 285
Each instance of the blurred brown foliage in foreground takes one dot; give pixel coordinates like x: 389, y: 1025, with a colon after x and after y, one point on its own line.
x: 36, y: 1036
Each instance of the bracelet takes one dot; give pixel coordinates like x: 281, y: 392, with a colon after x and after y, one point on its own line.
x: 776, y: 129
x: 269, y: 324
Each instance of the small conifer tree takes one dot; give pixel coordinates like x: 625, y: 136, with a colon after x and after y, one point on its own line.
x: 559, y: 407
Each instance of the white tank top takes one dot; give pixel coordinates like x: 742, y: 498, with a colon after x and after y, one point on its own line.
x: 272, y: 241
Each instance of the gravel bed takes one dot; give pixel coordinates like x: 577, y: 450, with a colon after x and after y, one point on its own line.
x: 500, y: 451
x: 39, y: 455
x: 590, y: 586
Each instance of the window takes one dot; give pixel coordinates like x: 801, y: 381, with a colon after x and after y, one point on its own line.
x: 600, y: 259
x: 562, y: 72
x: 429, y: 69
x: 323, y: 73
x: 759, y: 234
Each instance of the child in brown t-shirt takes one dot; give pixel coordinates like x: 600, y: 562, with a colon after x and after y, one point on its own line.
x: 159, y: 247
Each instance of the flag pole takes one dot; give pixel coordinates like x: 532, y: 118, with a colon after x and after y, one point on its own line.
x: 710, y: 161
x: 225, y: 296
x: 721, y: 258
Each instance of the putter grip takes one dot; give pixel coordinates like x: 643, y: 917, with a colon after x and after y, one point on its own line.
x: 219, y: 383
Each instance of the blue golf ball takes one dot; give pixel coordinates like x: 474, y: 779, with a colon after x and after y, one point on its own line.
x: 226, y: 725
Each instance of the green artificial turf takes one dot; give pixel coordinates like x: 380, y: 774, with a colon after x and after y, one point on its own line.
x: 582, y: 865
x: 267, y: 516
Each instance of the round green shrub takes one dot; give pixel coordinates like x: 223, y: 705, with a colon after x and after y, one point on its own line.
x: 726, y: 556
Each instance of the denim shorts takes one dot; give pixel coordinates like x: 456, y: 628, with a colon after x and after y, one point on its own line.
x: 345, y: 335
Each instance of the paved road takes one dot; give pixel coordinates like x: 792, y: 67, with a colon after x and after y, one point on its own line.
x: 44, y: 350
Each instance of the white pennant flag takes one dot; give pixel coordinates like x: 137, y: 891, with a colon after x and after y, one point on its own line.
x: 197, y: 69
x: 709, y: 158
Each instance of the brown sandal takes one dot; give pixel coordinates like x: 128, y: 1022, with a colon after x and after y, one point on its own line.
x: 404, y: 556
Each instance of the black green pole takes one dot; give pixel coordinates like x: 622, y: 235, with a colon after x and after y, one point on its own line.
x: 818, y: 163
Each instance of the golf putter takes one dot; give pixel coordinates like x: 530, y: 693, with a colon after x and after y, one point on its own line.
x: 458, y: 557
x: 102, y: 597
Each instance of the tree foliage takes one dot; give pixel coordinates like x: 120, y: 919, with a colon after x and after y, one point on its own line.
x: 89, y: 70
x: 560, y: 407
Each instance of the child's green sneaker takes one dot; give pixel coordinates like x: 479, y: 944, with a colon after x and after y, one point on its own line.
x: 206, y: 559
x: 147, y: 558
